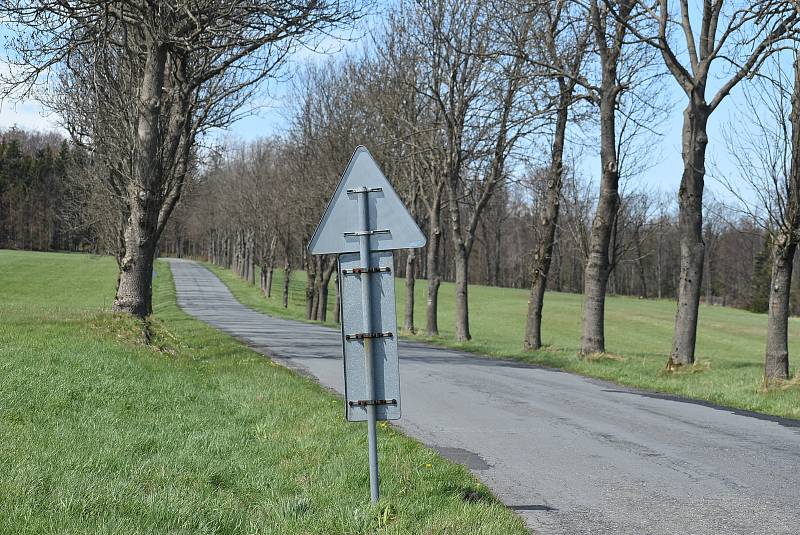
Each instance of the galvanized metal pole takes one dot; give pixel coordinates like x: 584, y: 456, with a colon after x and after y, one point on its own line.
x: 366, y: 310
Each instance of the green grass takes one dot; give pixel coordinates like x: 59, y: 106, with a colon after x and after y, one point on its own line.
x: 730, y: 343
x: 100, y: 433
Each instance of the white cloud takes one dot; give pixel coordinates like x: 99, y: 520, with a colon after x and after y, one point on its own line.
x: 28, y: 115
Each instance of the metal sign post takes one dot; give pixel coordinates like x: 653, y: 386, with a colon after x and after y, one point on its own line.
x: 366, y: 313
x: 376, y: 225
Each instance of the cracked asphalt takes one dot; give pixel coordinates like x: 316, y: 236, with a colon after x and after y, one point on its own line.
x: 569, y: 454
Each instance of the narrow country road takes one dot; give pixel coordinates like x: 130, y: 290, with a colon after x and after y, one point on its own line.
x: 571, y: 455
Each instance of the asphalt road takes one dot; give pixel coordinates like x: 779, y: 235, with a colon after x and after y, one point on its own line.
x: 571, y: 455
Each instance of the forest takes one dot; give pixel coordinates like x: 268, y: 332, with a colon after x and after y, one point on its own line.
x: 484, y: 114
x: 35, y: 171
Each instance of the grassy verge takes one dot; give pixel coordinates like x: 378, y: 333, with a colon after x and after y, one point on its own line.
x: 102, y: 434
x: 730, y: 345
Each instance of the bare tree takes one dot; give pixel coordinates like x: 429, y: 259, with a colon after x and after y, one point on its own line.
x: 563, y: 42
x: 609, y: 38
x: 402, y: 115
x: 477, y: 99
x: 454, y: 44
x: 776, y: 360
x: 411, y: 274
x: 741, y: 35
x: 768, y: 157
x: 178, y: 69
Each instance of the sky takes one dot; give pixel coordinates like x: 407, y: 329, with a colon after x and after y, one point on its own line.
x: 664, y: 152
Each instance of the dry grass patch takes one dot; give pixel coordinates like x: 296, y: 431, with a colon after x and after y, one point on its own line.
x: 599, y: 357
x: 780, y: 384
x: 699, y: 366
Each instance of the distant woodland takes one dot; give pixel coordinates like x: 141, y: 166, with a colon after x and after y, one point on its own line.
x: 40, y: 178
x: 36, y: 210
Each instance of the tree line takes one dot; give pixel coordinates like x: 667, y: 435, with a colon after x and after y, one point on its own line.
x: 35, y: 190
x: 474, y: 110
x: 223, y: 203
x: 481, y: 112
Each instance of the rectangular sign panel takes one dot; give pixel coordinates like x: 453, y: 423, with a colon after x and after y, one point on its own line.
x: 383, y: 337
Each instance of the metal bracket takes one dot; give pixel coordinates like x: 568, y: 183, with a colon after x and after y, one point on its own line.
x: 364, y: 190
x: 367, y: 232
x: 365, y: 402
x: 358, y: 271
x: 361, y: 336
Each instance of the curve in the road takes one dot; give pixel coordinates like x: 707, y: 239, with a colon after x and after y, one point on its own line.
x: 570, y: 454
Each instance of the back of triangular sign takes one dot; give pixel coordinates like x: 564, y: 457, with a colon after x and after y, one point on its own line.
x: 386, y: 213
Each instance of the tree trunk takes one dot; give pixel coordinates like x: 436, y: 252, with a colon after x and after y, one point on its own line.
x: 498, y: 256
x: 287, y: 273
x: 268, y: 281
x: 659, y: 263
x: 322, y: 303
x: 558, y: 260
x: 251, y: 264
x: 311, y: 293
x: 135, y: 291
x: 434, y: 266
x: 237, y: 254
x: 337, y: 309
x: 408, y: 324
x: 462, y: 297
x: 242, y: 257
x: 460, y: 258
x: 598, y: 264
x: 463, y: 236
x: 270, y: 267
x: 548, y: 219
x: 690, y: 225
x: 776, y: 361
x: 135, y: 287
x: 640, y: 266
x: 320, y: 272
x: 322, y: 300
x: 542, y: 258
x: 211, y: 256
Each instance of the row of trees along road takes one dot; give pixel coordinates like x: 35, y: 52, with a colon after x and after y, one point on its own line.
x: 481, y: 111
x: 472, y: 108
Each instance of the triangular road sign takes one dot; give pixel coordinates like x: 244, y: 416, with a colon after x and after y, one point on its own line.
x: 386, y: 213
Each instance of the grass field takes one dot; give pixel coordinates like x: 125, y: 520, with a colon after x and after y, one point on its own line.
x: 100, y: 433
x: 730, y: 344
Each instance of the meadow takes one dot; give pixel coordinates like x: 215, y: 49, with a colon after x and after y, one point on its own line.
x: 730, y: 342
x: 101, y: 432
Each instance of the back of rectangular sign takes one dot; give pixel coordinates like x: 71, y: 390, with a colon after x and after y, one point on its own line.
x: 384, y: 349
